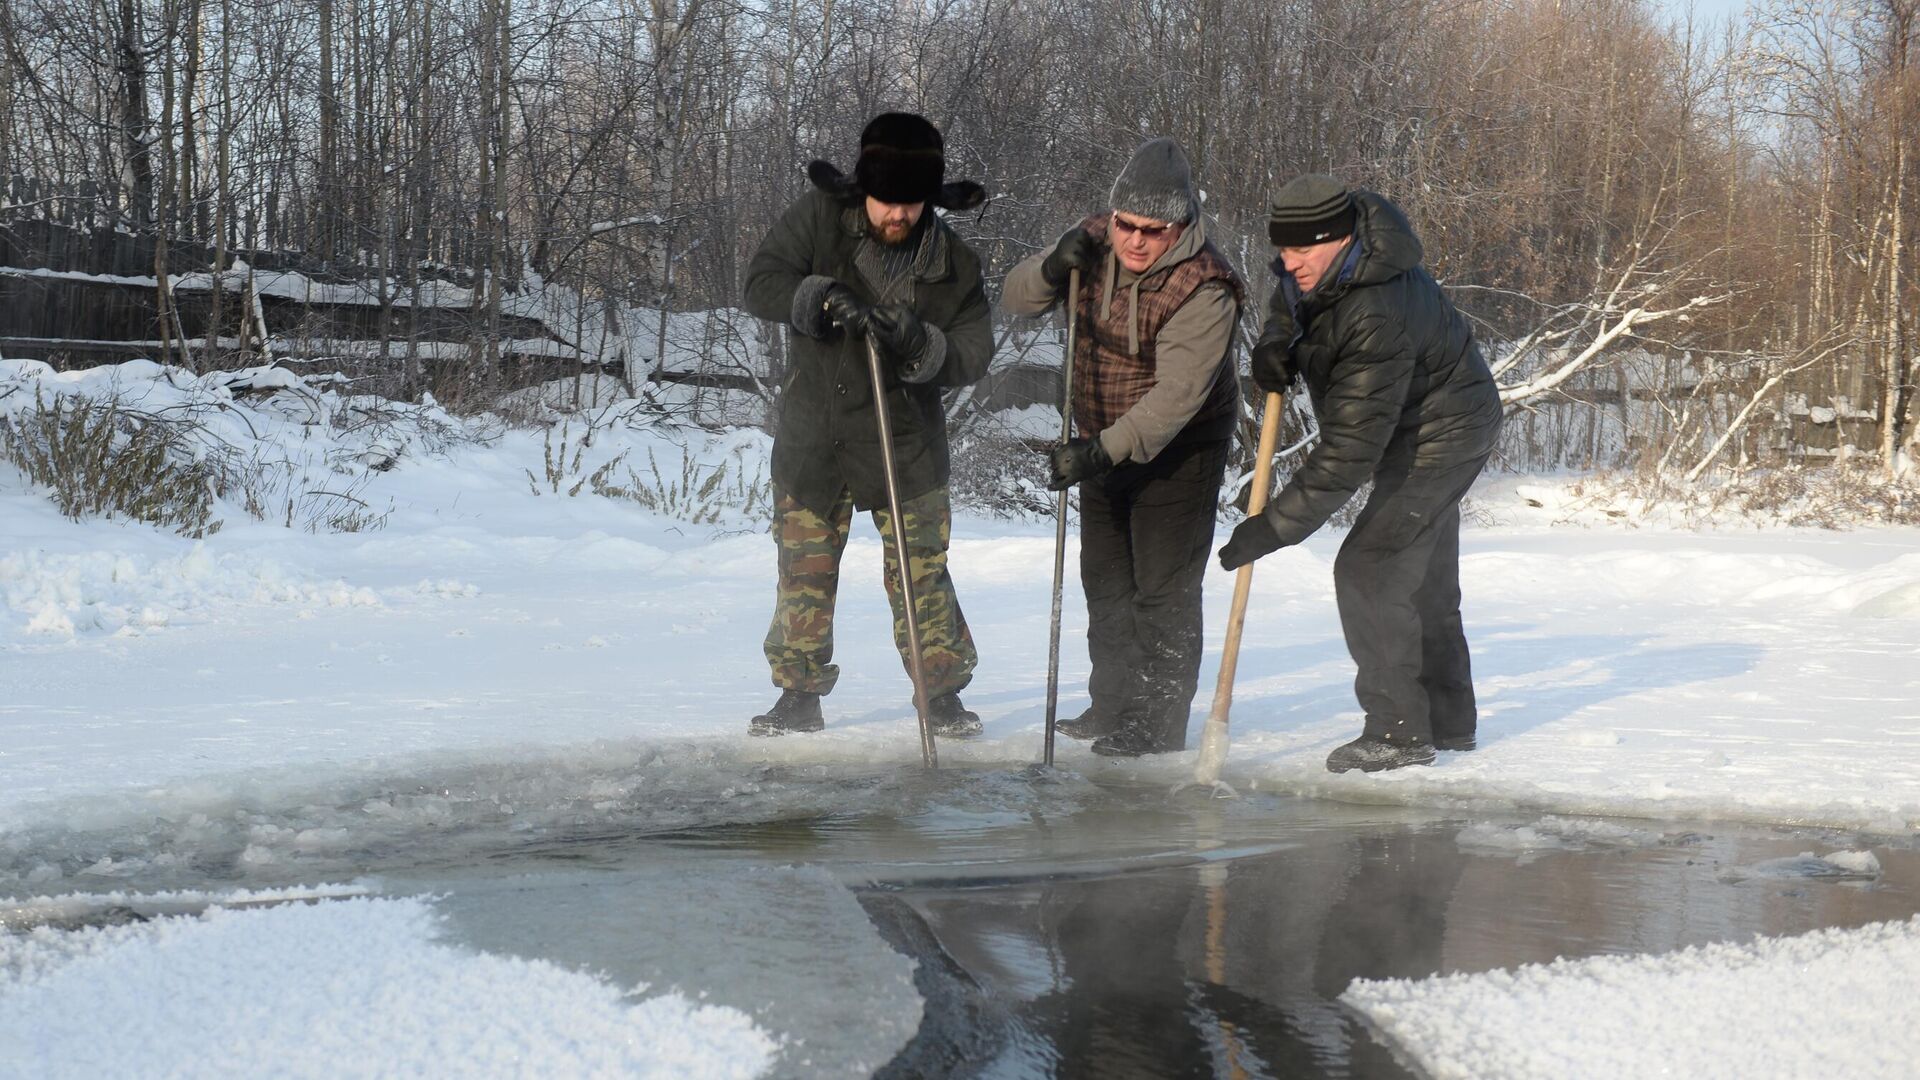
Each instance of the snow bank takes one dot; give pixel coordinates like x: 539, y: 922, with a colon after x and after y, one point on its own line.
x: 348, y: 988
x: 64, y: 596
x: 1835, y: 497
x: 264, y: 414
x: 1901, y: 602
x: 1706, y: 577
x: 1830, y: 1003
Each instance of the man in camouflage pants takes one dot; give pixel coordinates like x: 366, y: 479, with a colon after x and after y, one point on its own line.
x: 856, y: 259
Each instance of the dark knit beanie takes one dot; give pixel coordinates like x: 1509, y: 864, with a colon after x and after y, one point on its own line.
x: 902, y: 159
x: 1311, y: 209
x: 1157, y: 183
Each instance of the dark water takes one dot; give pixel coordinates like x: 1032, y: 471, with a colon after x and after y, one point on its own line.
x: 1061, y: 927
x: 1220, y: 947
x: 1126, y: 932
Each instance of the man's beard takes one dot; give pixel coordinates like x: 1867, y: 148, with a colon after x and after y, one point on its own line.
x: 894, y: 235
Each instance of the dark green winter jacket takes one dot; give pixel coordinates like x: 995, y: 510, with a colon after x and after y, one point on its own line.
x: 827, y: 437
x: 1391, y: 367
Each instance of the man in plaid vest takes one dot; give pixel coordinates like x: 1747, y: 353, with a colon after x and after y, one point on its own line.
x: 1155, y: 400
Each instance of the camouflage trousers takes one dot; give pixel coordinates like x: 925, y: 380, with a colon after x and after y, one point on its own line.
x: 799, y: 644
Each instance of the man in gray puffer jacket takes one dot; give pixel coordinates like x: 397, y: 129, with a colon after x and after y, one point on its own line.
x: 1404, y: 399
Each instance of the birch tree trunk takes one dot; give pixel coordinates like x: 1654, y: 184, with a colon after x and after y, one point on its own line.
x: 137, y: 162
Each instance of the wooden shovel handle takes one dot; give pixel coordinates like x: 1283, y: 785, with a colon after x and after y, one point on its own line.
x: 1213, y: 738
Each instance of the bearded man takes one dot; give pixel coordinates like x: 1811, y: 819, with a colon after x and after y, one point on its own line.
x: 856, y: 259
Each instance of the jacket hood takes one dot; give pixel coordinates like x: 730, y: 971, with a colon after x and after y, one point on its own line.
x: 1192, y: 239
x: 1388, y: 247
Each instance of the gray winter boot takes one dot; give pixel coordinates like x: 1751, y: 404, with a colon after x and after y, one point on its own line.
x: 796, y: 711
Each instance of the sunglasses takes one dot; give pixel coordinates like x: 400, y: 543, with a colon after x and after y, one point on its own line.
x: 1147, y: 232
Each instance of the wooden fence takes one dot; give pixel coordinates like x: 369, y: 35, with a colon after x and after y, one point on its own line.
x: 77, y: 289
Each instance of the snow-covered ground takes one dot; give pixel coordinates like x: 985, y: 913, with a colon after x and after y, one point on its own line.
x: 352, y: 987
x: 1828, y: 1003
x: 251, y: 688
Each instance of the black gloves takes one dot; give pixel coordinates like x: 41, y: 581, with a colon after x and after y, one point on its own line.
x: 899, y: 331
x: 1076, y: 250
x: 1272, y: 366
x: 1251, y: 539
x: 1075, y: 460
x: 846, y: 310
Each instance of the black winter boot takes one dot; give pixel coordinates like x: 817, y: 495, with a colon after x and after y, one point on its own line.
x: 1454, y: 742
x: 1132, y: 740
x: 952, y: 720
x: 1089, y: 725
x: 796, y: 711
x: 1375, y: 753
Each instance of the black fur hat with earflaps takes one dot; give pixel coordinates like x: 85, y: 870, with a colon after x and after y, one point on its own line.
x: 902, y: 160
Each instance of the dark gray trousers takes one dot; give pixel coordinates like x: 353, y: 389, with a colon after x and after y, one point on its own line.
x: 1397, y: 581
x: 1146, y: 533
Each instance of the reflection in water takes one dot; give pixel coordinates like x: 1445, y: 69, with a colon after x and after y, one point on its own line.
x: 1233, y: 968
x: 1227, y: 969
x: 1059, y: 927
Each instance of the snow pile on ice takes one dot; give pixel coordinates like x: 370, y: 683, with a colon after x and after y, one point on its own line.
x: 788, y: 945
x: 102, y: 592
x: 1561, y: 834
x: 1834, y: 866
x: 273, y: 445
x: 340, y: 989
x: 1830, y: 1003
x: 300, y: 450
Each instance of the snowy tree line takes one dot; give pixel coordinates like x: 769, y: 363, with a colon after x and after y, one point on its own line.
x: 1695, y: 232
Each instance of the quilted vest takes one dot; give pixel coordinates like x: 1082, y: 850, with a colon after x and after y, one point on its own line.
x: 1108, y: 378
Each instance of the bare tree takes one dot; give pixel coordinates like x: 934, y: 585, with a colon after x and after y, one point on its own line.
x: 1710, y: 223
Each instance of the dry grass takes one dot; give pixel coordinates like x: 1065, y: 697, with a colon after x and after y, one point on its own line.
x: 695, y: 493
x: 99, y: 459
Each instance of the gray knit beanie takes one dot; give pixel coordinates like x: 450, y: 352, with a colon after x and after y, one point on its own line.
x: 1157, y: 184
x: 1311, y: 209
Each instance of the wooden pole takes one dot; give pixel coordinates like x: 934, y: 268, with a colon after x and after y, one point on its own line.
x: 1213, y: 739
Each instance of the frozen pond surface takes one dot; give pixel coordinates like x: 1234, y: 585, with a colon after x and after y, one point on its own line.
x: 529, y: 709
x: 995, y: 923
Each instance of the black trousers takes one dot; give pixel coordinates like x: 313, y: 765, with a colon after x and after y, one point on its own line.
x: 1397, y: 581
x: 1146, y: 533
